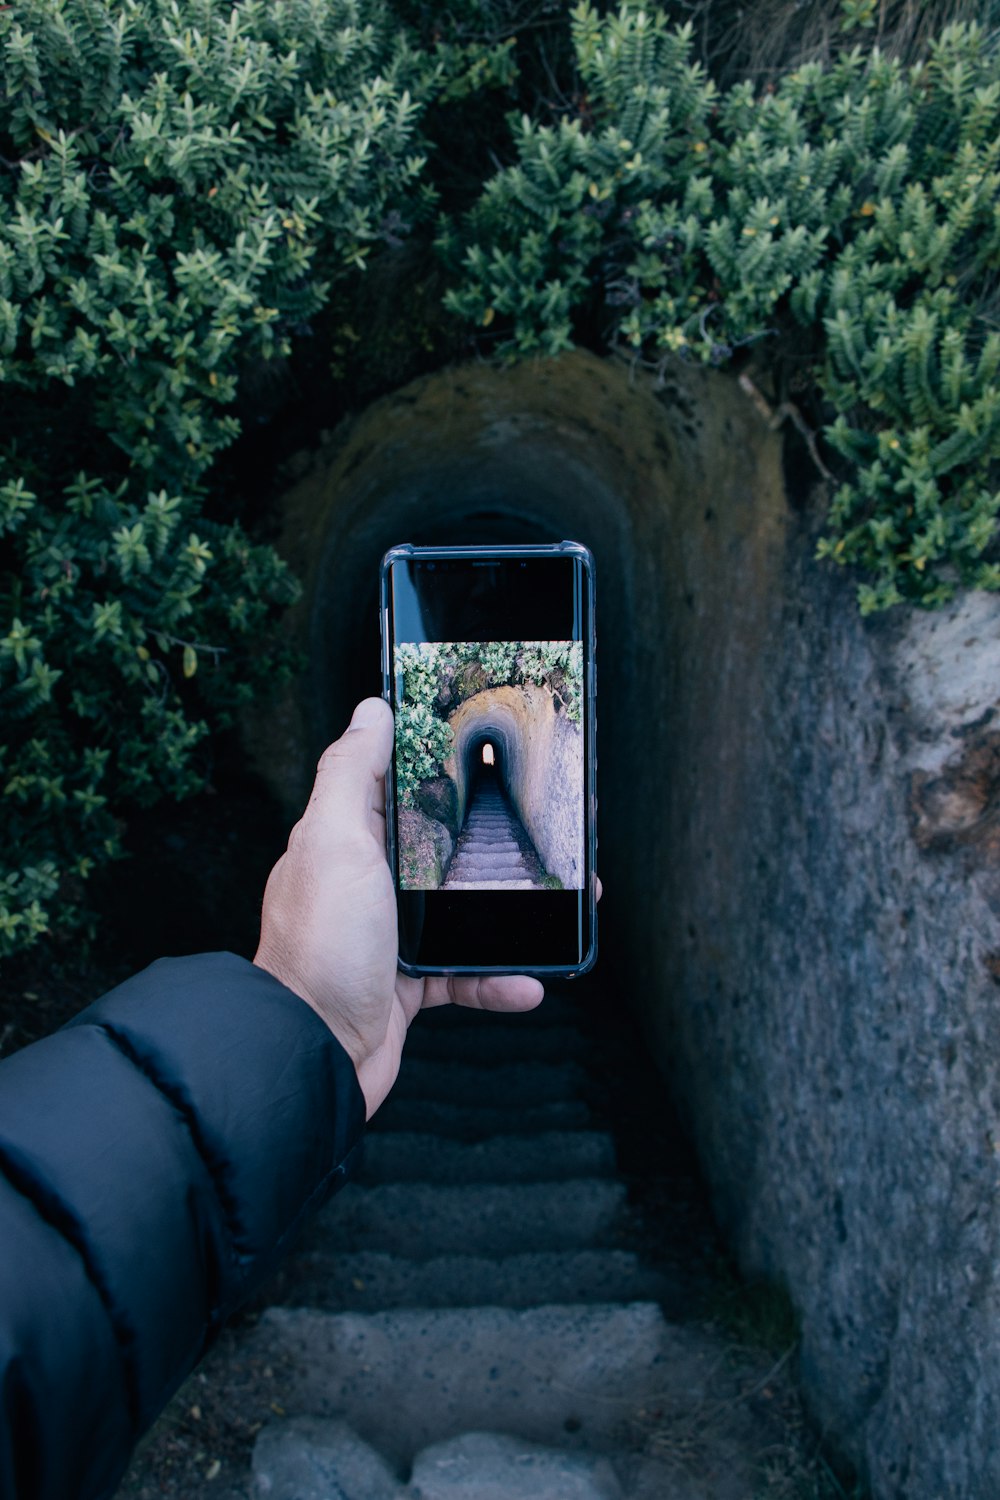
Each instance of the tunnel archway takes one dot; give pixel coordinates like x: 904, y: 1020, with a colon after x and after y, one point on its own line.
x: 486, y: 761
x: 573, y: 447
x: 758, y: 744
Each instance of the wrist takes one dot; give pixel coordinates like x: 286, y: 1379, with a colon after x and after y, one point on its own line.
x: 289, y: 975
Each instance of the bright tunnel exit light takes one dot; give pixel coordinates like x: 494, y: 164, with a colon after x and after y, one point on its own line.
x: 487, y: 754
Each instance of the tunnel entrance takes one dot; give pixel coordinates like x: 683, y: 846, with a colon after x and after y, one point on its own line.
x: 545, y: 450
x: 494, y: 849
x: 486, y: 768
x: 707, y: 719
x: 550, y: 449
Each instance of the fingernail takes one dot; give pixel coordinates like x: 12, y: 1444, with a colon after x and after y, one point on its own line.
x: 367, y: 714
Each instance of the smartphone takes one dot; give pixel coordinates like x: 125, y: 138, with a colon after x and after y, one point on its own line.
x: 488, y: 663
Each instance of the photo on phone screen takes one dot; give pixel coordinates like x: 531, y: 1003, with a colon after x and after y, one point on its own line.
x: 488, y: 662
x: 489, y: 735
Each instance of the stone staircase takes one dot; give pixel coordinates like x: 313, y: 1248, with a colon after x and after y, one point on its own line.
x: 472, y: 1319
x: 493, y: 850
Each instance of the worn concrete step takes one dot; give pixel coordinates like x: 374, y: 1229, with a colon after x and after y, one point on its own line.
x: 421, y: 1220
x: 482, y: 866
x: 472, y: 1122
x: 321, y: 1458
x: 501, y: 1084
x: 494, y: 884
x: 484, y: 844
x: 412, y: 1156
x: 577, y: 1376
x: 489, y: 1042
x: 371, y: 1280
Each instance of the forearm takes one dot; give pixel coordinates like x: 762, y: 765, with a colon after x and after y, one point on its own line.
x: 159, y: 1153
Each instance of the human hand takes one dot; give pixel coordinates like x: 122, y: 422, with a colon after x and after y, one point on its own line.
x: 328, y: 926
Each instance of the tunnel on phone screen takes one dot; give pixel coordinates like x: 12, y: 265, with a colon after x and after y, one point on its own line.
x: 493, y: 847
x: 533, y: 792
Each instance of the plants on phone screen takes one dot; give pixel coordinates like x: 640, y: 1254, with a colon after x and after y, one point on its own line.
x: 431, y: 673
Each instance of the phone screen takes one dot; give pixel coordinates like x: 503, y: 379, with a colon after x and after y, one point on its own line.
x: 489, y: 668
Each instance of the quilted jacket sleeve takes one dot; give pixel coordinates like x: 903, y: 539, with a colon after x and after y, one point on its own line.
x: 156, y: 1157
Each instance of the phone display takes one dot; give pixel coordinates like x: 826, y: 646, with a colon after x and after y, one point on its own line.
x: 488, y: 663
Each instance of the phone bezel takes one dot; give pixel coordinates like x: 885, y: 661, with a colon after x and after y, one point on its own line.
x: 409, y: 552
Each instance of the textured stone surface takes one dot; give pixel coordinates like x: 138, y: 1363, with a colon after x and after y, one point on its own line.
x: 830, y: 901
x: 798, y: 835
x: 311, y: 1459
x: 510, y: 1084
x: 372, y: 1280
x: 491, y: 1466
x: 572, y: 1375
x: 428, y: 848
x: 480, y: 1120
x: 423, y: 1219
x: 417, y: 1157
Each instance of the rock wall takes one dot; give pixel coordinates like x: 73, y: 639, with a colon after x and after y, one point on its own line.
x: 543, y: 755
x: 831, y: 1031
x: 798, y: 828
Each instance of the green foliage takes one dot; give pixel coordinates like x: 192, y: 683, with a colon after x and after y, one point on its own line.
x: 185, y: 186
x: 857, y: 202
x: 181, y: 184
x: 423, y: 738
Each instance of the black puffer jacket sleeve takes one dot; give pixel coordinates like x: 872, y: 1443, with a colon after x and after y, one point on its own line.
x: 156, y: 1157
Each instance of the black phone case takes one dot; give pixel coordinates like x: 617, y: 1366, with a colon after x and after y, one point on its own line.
x: 406, y: 552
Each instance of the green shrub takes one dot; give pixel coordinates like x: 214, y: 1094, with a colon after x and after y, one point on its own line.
x: 186, y: 184
x: 854, y: 205
x: 181, y: 183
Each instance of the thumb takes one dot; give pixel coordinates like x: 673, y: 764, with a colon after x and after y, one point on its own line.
x: 350, y: 772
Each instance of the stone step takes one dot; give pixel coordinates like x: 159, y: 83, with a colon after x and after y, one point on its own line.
x: 494, y: 884
x: 483, y: 844
x: 421, y: 1220
x: 578, y: 1376
x: 548, y: 1156
x: 479, y: 867
x: 471, y: 1122
x: 371, y: 1280
x: 322, y: 1458
x: 479, y: 856
x: 492, y: 1042
x: 507, y: 1085
x: 411, y: 1156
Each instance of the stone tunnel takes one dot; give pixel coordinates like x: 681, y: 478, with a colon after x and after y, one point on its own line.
x: 810, y: 943
x: 539, y: 757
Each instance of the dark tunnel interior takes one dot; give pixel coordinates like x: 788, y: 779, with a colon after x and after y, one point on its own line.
x: 486, y: 766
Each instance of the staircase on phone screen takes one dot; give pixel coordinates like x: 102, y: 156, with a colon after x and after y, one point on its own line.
x: 493, y: 851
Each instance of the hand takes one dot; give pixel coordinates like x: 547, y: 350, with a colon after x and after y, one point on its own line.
x: 328, y: 927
